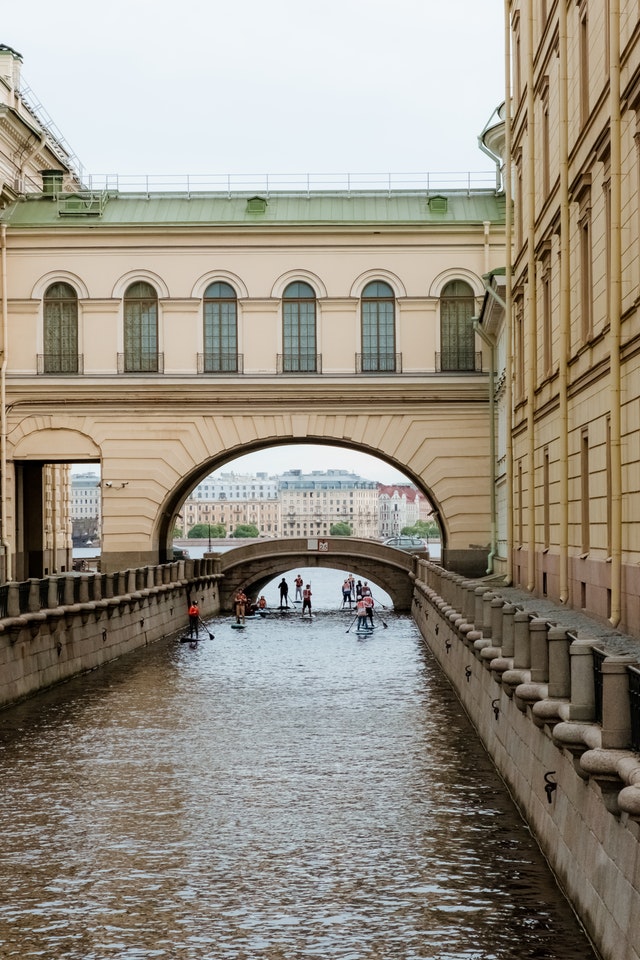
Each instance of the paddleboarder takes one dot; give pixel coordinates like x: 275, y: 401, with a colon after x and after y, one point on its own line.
x: 306, y: 599
x: 298, y: 582
x: 283, y: 587
x: 194, y: 619
x: 361, y: 611
x: 240, y: 606
x: 346, y: 593
x: 368, y: 602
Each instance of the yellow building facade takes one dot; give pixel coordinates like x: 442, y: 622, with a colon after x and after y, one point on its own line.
x: 568, y: 379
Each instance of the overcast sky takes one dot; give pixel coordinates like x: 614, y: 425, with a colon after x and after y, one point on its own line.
x: 272, y: 86
x: 267, y: 86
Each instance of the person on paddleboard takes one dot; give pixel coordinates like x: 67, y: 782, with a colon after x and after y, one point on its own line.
x: 194, y: 619
x: 346, y: 593
x: 283, y: 587
x: 368, y: 602
x: 240, y: 606
x: 298, y: 582
x: 306, y: 599
x: 361, y: 611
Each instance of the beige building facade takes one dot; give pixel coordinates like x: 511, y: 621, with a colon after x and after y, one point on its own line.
x: 567, y: 369
x: 160, y: 336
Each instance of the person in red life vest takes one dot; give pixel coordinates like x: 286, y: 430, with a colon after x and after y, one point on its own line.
x: 306, y: 599
x: 298, y: 582
x: 194, y: 619
x: 366, y: 589
x: 361, y: 611
x: 368, y: 602
x: 262, y: 603
x: 240, y: 606
x: 346, y: 593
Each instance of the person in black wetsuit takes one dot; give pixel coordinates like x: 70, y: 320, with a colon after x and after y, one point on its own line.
x: 283, y: 587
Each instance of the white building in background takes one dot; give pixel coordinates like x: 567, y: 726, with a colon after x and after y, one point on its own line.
x: 399, y: 506
x: 85, y: 496
x: 236, y: 486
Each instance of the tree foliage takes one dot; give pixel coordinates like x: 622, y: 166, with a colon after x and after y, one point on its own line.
x: 201, y: 531
x: 340, y: 529
x: 244, y: 530
x: 422, y: 528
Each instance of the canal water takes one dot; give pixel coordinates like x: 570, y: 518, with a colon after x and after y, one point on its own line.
x: 287, y: 791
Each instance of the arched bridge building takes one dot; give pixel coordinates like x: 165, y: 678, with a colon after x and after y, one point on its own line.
x: 162, y: 336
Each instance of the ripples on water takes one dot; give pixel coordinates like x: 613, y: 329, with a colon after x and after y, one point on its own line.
x: 286, y: 791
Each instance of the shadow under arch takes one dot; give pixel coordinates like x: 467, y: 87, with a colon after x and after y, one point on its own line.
x: 172, y: 504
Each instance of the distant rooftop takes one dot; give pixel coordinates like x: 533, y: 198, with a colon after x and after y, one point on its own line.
x: 350, y: 204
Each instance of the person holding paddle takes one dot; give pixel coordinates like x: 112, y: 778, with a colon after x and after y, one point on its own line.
x: 194, y: 619
x: 306, y: 599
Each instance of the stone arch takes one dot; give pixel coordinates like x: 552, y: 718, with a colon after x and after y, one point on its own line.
x: 456, y: 273
x: 60, y: 276
x: 292, y: 275
x: 392, y: 279
x: 175, y: 497
x: 53, y: 444
x: 132, y: 276
x: 222, y: 276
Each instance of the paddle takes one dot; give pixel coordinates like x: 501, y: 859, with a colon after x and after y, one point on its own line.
x: 351, y: 624
x: 205, y: 628
x: 385, y: 625
x: 378, y: 601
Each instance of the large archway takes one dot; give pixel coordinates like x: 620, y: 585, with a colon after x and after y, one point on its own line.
x: 153, y: 451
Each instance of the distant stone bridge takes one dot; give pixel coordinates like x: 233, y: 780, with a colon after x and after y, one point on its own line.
x: 251, y: 567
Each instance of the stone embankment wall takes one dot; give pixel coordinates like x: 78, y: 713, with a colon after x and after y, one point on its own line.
x: 55, y: 628
x: 532, y: 693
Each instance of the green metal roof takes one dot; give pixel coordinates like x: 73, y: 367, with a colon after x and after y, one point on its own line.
x: 399, y: 208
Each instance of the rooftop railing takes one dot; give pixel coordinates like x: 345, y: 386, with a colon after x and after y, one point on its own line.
x: 265, y: 184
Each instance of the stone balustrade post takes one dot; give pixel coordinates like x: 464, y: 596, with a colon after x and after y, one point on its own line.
x: 69, y: 590
x: 521, y: 641
x: 33, y: 601
x: 478, y: 593
x: 539, y: 648
x: 13, y: 599
x: 151, y: 577
x: 559, y: 664
x: 508, y: 613
x: 496, y: 606
x: 52, y: 592
x: 616, y: 714
x: 583, y: 689
x: 485, y: 624
x: 130, y: 581
x: 83, y: 589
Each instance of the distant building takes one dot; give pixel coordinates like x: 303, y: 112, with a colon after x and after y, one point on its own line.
x: 312, y: 502
x: 85, y: 496
x: 399, y: 506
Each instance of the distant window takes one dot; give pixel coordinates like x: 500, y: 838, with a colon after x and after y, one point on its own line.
x: 299, y: 328
x: 220, y: 329
x: 141, y: 329
x: 457, y: 337
x: 378, y: 328
x: 60, y: 329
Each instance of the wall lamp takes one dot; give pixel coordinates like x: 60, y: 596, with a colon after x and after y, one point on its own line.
x: 116, y: 486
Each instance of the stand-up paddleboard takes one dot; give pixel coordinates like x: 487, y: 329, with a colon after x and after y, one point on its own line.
x: 237, y: 626
x: 191, y: 639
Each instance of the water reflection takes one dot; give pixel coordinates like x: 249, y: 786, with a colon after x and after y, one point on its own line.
x: 286, y: 791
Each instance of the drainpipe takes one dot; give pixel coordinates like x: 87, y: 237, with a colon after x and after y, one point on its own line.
x: 6, y: 546
x: 531, y: 343
x: 508, y: 296
x: 477, y: 326
x: 615, y: 312
x: 564, y: 325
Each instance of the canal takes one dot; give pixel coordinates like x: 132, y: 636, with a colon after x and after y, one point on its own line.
x: 290, y: 790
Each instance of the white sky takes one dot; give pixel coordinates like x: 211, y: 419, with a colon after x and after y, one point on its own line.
x: 269, y: 86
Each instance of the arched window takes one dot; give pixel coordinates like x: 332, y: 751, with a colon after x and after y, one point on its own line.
x: 60, y: 317
x: 220, y: 329
x: 457, y: 337
x: 299, y: 329
x: 378, y: 328
x: 141, y: 329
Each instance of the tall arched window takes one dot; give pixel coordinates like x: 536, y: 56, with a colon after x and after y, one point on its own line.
x: 299, y: 329
x: 457, y: 337
x: 141, y: 329
x: 60, y: 317
x: 220, y: 329
x: 378, y: 328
